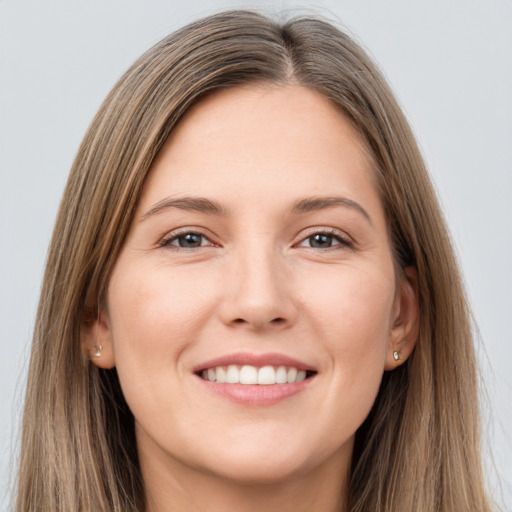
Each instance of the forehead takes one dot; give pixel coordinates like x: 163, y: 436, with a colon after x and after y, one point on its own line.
x: 255, y: 141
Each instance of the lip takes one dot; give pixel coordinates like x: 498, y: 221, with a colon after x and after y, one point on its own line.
x: 258, y: 360
x: 255, y: 395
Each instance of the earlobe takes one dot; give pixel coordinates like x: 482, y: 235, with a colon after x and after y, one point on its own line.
x: 96, y: 340
x: 404, y: 332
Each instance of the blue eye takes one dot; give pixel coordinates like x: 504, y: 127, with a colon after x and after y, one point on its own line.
x: 188, y: 240
x: 323, y: 241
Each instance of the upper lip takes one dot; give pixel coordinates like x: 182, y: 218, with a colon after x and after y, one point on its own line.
x: 259, y: 360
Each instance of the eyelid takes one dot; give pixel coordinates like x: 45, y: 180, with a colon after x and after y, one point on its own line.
x: 344, y: 239
x: 172, y: 235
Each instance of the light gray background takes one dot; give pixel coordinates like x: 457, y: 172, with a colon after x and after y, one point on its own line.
x: 449, y: 61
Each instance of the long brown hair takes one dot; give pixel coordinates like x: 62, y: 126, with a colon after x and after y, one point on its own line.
x: 419, y: 447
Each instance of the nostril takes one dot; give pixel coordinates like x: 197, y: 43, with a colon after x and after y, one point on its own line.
x: 275, y: 321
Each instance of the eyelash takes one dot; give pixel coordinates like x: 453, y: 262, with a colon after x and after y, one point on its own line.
x: 167, y: 242
x: 343, y: 241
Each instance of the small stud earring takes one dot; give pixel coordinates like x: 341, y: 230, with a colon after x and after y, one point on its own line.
x: 98, y: 351
x: 396, y: 355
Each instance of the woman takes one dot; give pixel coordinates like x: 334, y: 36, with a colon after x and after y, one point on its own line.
x: 251, y: 300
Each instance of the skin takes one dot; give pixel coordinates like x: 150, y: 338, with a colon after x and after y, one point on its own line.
x: 256, y: 284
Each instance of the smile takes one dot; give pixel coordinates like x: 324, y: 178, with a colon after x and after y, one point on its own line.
x: 255, y: 379
x: 250, y: 375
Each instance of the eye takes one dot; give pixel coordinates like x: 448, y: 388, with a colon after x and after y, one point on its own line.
x: 188, y: 240
x: 324, y: 240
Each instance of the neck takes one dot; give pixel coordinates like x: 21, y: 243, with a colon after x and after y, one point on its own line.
x: 172, y: 487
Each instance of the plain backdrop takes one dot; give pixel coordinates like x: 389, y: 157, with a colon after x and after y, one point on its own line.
x: 449, y: 61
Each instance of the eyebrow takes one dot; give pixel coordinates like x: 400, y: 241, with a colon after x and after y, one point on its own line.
x: 209, y: 206
x: 311, y: 204
x: 195, y: 204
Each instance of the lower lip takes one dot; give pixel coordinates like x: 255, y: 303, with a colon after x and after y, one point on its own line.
x: 257, y: 394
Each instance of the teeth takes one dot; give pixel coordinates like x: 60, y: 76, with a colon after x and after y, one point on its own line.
x: 301, y: 375
x: 266, y: 375
x: 221, y: 374
x: 247, y: 374
x: 233, y: 374
x: 291, y: 375
x: 281, y: 375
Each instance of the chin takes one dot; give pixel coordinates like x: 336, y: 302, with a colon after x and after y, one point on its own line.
x: 264, y: 470
x: 267, y: 461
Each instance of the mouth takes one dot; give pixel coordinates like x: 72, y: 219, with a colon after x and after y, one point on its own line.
x: 255, y: 375
x: 255, y: 369
x: 255, y: 379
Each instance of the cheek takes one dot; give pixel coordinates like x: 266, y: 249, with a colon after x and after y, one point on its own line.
x: 352, y: 313
x: 154, y: 316
x: 352, y: 303
x: 156, y: 305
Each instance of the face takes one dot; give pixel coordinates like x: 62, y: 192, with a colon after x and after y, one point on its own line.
x: 254, y: 306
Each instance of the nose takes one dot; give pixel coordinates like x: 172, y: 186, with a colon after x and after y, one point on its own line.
x: 258, y: 292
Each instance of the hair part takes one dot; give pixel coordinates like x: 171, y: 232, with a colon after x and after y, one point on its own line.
x: 419, y: 447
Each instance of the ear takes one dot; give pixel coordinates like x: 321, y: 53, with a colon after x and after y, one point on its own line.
x: 96, y: 340
x: 405, y: 321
